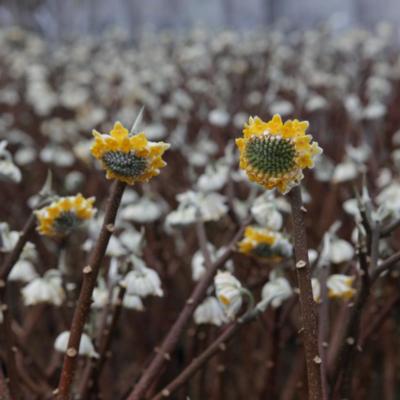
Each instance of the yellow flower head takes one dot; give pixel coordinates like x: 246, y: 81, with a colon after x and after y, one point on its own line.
x: 64, y: 215
x: 264, y: 243
x: 274, y: 153
x: 128, y: 158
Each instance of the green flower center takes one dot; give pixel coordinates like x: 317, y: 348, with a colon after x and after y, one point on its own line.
x: 270, y: 155
x: 263, y: 250
x: 125, y: 164
x: 66, y: 222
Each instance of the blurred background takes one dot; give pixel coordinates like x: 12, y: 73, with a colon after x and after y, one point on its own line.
x: 200, y: 68
x: 63, y: 19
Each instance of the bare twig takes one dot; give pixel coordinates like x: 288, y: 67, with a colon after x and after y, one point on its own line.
x: 90, y: 273
x: 4, y: 392
x: 219, y: 344
x: 13, y: 256
x: 95, y: 367
x: 308, y: 311
x: 11, y: 350
x: 171, y: 339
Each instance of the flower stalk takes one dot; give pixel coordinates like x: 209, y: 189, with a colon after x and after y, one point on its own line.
x: 90, y: 273
x: 308, y: 310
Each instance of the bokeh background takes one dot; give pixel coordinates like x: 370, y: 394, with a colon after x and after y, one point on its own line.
x: 64, y: 19
x: 200, y: 68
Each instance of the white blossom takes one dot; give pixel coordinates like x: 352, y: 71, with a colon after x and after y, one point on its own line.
x: 198, y: 262
x: 23, y: 271
x: 266, y: 213
x: 144, y: 210
x: 208, y: 206
x: 389, y: 198
x: 218, y: 117
x: 340, y: 286
x: 340, y: 251
x: 210, y: 311
x: 47, y: 289
x: 346, y: 171
x: 86, y: 347
x: 275, y: 292
x: 229, y: 293
x: 142, y: 281
x: 9, y: 172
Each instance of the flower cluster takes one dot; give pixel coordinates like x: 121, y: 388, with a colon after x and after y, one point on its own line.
x: 64, y: 215
x: 130, y: 159
x: 339, y: 286
x: 274, y: 153
x: 265, y: 244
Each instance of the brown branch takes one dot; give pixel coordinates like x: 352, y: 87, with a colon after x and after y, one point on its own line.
x: 346, y: 355
x: 324, y: 330
x: 219, y: 344
x: 389, y: 229
x: 308, y: 312
x: 4, y: 392
x: 90, y: 273
x: 11, y: 350
x: 171, y: 339
x: 13, y: 256
x: 376, y: 323
x: 95, y: 367
x: 385, y: 266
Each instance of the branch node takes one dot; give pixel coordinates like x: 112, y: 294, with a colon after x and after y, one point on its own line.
x: 317, y: 360
x: 71, y: 352
x: 301, y: 264
x: 87, y: 270
x: 350, y: 341
x: 110, y: 228
x: 166, y: 393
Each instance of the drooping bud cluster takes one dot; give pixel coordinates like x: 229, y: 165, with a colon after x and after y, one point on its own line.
x: 264, y: 243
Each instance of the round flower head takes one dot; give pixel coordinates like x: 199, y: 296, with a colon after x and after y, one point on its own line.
x: 64, y: 215
x: 274, y: 153
x: 264, y: 243
x: 129, y: 159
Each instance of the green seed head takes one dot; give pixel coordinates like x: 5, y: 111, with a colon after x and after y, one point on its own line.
x: 125, y: 164
x: 270, y: 155
x: 66, y: 222
x: 263, y: 250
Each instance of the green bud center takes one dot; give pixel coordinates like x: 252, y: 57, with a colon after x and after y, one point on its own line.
x: 270, y: 155
x: 125, y: 164
x: 66, y: 222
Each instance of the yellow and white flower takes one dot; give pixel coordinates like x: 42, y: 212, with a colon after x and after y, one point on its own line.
x: 264, y: 243
x: 339, y: 286
x: 275, y: 292
x: 64, y: 215
x: 229, y: 293
x: 274, y: 153
x: 129, y: 159
x: 210, y: 311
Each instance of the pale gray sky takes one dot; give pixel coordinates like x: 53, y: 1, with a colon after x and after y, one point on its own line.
x: 60, y: 18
